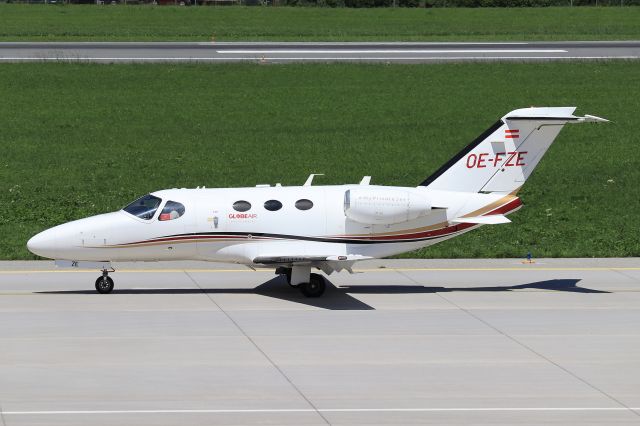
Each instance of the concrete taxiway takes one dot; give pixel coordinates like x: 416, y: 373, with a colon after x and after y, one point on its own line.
x: 401, y: 52
x: 403, y: 342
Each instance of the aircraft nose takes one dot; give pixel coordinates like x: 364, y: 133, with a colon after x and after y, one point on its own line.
x: 43, y: 244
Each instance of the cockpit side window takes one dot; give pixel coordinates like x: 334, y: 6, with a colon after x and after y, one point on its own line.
x: 144, y: 207
x: 172, y: 210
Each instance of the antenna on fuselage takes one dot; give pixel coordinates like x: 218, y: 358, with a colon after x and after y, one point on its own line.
x: 310, y: 178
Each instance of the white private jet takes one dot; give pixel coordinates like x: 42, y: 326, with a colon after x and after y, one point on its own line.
x: 295, y: 229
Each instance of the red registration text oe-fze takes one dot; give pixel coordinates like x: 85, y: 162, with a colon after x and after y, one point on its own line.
x: 483, y: 160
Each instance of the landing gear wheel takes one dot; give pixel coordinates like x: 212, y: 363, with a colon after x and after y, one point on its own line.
x: 104, y: 284
x: 315, y: 287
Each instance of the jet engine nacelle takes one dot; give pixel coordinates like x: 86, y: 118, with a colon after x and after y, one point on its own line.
x: 384, y: 205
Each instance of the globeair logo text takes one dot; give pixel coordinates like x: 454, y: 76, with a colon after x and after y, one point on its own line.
x: 242, y: 216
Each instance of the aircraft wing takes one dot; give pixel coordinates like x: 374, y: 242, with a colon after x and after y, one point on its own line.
x: 328, y: 263
x: 494, y: 219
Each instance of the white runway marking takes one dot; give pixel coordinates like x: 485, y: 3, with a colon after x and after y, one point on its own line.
x: 377, y: 51
x: 376, y: 43
x: 301, y: 59
x: 327, y: 410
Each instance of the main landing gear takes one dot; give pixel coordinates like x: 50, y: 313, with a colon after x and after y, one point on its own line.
x: 104, y: 283
x: 311, y: 285
x: 315, y: 287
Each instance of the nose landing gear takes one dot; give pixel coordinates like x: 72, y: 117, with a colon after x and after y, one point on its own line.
x: 104, y: 283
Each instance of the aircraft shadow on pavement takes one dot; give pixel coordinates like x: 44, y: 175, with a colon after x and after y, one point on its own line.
x: 334, y: 298
x: 567, y: 285
x: 339, y: 298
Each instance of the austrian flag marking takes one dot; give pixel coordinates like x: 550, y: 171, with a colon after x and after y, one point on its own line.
x: 511, y: 134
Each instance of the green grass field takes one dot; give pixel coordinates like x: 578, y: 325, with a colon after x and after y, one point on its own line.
x: 139, y: 23
x: 81, y: 139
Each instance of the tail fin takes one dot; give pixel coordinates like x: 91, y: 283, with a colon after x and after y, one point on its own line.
x: 503, y: 157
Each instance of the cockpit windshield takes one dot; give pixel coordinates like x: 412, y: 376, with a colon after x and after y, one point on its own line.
x: 144, y: 207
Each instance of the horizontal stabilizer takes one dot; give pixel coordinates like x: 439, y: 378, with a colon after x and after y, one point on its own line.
x: 593, y: 119
x: 494, y: 219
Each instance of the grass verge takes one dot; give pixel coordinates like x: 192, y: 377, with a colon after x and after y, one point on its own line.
x: 81, y: 139
x: 148, y: 23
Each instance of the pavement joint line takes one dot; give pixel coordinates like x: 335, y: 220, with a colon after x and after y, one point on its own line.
x: 621, y: 272
x: 2, y: 420
x: 160, y: 270
x: 255, y: 345
x: 325, y: 410
x: 533, y: 351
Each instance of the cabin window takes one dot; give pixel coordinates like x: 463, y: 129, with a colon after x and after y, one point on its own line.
x: 304, y: 204
x: 172, y: 210
x: 144, y: 207
x: 241, y: 206
x: 272, y: 205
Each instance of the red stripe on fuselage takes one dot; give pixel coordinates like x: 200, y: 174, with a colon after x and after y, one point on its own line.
x: 442, y: 232
x: 419, y: 235
x: 196, y: 237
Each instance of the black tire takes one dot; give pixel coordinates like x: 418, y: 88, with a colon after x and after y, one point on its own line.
x: 315, y: 287
x: 104, y: 285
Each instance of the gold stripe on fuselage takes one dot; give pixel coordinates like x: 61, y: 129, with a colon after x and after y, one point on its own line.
x: 492, y: 206
x: 404, y: 231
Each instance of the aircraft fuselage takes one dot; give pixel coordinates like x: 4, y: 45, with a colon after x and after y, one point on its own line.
x: 212, y: 229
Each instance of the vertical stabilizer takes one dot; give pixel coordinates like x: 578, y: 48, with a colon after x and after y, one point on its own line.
x: 505, y: 155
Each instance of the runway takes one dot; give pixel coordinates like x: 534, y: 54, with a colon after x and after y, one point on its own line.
x: 400, y: 342
x: 277, y: 52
